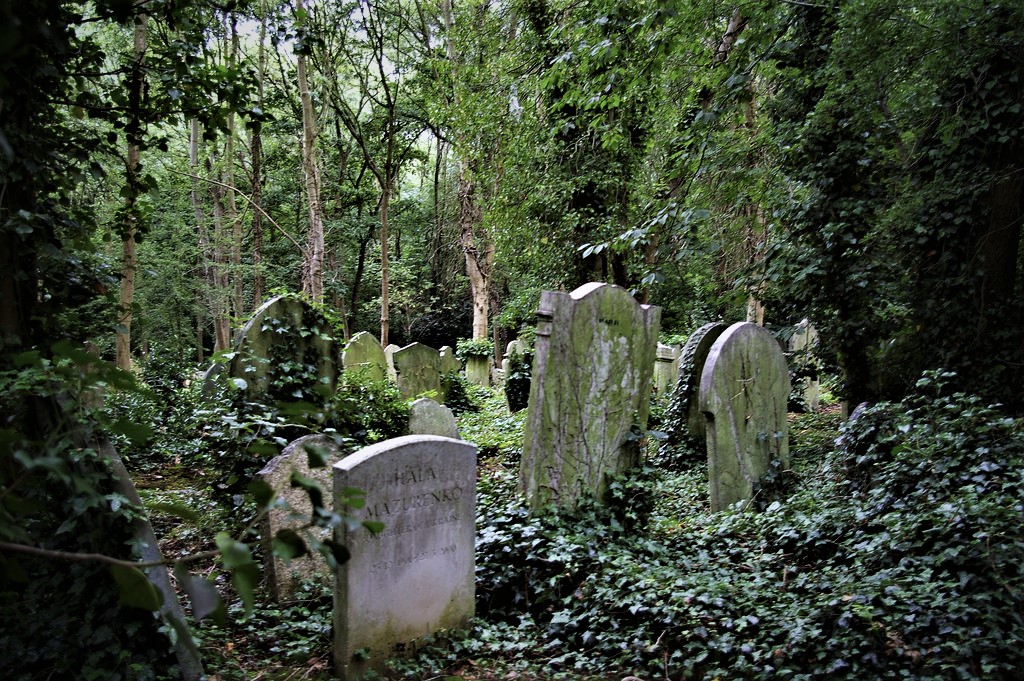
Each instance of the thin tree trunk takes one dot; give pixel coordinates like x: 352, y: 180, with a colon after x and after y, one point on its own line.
x: 201, y: 233
x: 126, y: 297
x: 385, y: 321
x: 313, y: 265
x: 235, y: 268
x: 218, y: 274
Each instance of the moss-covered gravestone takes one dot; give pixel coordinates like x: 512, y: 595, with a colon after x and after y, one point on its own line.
x: 418, y: 371
x: 363, y: 354
x: 427, y: 417
x: 286, y: 352
x: 665, y: 367
x: 416, y: 575
x: 744, y: 393
x: 589, y: 395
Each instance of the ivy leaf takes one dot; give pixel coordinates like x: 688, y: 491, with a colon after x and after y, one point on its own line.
x: 138, y: 433
x: 312, y: 487
x: 202, y: 593
x: 135, y: 588
x: 318, y: 456
x: 245, y: 574
x: 262, y: 492
x: 288, y: 544
x: 332, y: 550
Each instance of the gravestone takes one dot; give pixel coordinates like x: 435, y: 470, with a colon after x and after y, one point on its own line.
x: 665, y: 367
x: 449, y: 363
x: 364, y: 354
x: 683, y: 414
x: 284, y: 577
x: 478, y: 369
x: 418, y: 371
x: 427, y: 417
x: 516, y: 367
x: 802, y: 345
x: 415, y: 576
x: 744, y: 393
x: 276, y: 360
x: 590, y: 392
x: 389, y: 358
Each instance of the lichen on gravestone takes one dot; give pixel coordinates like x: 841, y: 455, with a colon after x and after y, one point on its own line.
x: 589, y: 396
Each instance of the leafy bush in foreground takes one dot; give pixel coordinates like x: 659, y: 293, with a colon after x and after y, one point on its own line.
x: 900, y: 556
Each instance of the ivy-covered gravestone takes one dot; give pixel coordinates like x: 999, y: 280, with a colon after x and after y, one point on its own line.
x: 364, y: 354
x: 803, y: 345
x: 286, y: 352
x: 665, y: 368
x: 589, y: 395
x: 684, y: 422
x: 744, y: 394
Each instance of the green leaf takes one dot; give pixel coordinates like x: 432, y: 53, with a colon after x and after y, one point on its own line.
x: 138, y: 433
x: 177, y: 510
x: 262, y: 492
x: 288, y: 544
x: 135, y: 588
x: 318, y: 456
x: 312, y: 487
x: 202, y: 593
x: 332, y: 550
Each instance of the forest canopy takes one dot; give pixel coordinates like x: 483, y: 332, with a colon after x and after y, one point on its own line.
x: 425, y: 168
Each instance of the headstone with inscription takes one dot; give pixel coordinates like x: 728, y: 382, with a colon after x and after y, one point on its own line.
x: 590, y: 392
x: 287, y: 347
x: 292, y: 510
x: 363, y: 354
x: 418, y: 371
x: 427, y: 417
x: 744, y: 394
x: 416, y: 575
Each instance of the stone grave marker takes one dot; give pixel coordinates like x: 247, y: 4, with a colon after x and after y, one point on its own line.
x: 449, y: 363
x: 802, y: 345
x: 589, y: 394
x: 269, y: 349
x: 389, y: 358
x: 284, y: 577
x: 416, y: 366
x: 683, y: 411
x: 416, y: 576
x: 744, y: 394
x: 516, y: 374
x: 364, y: 354
x: 427, y: 417
x: 665, y: 367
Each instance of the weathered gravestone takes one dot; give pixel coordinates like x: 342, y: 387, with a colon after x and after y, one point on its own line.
x: 665, y: 367
x: 744, y: 394
x: 589, y: 394
x: 802, y: 345
x: 478, y: 369
x: 364, y: 354
x: 684, y: 419
x: 389, y: 358
x: 427, y: 417
x: 448, y: 362
x: 286, y: 351
x: 284, y: 577
x: 418, y: 371
x: 416, y: 576
x: 516, y: 368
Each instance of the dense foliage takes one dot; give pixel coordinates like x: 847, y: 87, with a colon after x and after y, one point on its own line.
x: 424, y: 163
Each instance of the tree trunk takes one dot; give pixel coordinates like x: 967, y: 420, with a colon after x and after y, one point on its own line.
x: 235, y: 268
x: 385, y: 321
x: 313, y: 265
x: 133, y: 131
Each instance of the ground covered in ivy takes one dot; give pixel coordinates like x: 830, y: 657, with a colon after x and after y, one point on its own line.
x: 893, y: 549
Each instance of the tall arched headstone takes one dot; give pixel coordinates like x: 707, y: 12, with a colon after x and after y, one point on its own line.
x: 590, y: 390
x: 416, y: 575
x: 744, y: 394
